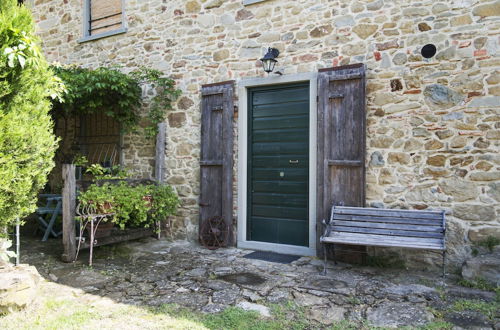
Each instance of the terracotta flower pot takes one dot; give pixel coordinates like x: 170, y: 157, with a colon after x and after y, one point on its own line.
x: 149, y: 200
x: 102, y: 208
x: 103, y: 230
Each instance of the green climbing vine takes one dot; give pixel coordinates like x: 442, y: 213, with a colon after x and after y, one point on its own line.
x: 117, y: 94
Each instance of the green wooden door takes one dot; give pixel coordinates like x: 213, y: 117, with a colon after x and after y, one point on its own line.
x: 278, y: 165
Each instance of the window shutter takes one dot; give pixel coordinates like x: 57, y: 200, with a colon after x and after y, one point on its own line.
x: 216, y: 161
x: 105, y: 15
x: 341, y: 139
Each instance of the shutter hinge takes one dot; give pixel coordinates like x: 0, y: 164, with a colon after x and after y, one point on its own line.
x: 317, y: 98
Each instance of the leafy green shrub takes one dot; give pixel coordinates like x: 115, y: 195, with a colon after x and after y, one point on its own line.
x: 165, y: 202
x: 132, y: 206
x: 27, y: 144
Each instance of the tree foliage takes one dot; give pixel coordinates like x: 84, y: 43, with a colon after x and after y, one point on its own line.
x: 27, y: 142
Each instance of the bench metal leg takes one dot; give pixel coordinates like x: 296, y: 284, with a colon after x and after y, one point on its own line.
x: 334, y: 256
x: 444, y: 263
x: 324, y: 257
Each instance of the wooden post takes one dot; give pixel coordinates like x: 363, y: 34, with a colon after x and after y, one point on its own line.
x: 160, y: 153
x: 160, y: 162
x: 68, y: 212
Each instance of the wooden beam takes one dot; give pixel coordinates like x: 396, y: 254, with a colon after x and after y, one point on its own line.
x: 160, y: 153
x: 69, y: 205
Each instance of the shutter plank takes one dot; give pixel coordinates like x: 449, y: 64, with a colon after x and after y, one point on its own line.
x: 341, y: 140
x: 103, y: 8
x: 105, y: 15
x: 390, y: 226
x: 387, y: 232
x: 390, y: 213
x: 378, y: 240
x: 409, y: 221
x: 216, y: 155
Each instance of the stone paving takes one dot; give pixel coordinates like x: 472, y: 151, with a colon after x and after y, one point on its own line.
x: 153, y: 272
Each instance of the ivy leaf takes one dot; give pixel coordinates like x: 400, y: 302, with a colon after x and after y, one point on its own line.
x: 10, y: 59
x: 21, y: 60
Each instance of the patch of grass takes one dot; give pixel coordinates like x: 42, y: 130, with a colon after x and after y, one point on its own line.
x: 177, y: 311
x: 284, y: 316
x: 477, y: 283
x: 436, y: 312
x: 490, y: 242
x: 289, y: 315
x: 72, y: 321
x: 486, y: 308
x: 53, y: 304
x: 384, y: 262
x: 76, y: 314
x: 344, y: 325
x: 353, y: 300
x: 437, y: 325
x: 235, y: 318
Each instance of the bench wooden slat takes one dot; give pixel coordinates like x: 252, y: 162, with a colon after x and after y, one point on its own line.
x: 387, y: 232
x: 378, y: 240
x: 383, y: 225
x: 356, y: 208
x: 389, y: 213
x: 371, y: 218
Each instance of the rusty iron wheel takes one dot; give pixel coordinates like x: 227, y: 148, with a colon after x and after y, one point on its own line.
x: 214, y: 233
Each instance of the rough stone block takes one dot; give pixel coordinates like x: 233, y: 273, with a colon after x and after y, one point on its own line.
x: 441, y: 96
x: 486, y: 10
x: 365, y: 30
x: 485, y: 266
x: 395, y: 315
x: 474, y: 212
x: 460, y: 190
x: 18, y: 287
x: 485, y: 176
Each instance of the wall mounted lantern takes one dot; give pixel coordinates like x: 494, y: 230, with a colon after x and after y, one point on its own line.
x: 269, y: 60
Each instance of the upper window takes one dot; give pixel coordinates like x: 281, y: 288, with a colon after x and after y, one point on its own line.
x: 103, y: 18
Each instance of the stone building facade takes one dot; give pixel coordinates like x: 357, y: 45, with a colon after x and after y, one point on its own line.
x: 433, y: 125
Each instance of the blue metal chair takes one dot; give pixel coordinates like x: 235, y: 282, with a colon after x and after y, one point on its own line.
x: 47, y: 214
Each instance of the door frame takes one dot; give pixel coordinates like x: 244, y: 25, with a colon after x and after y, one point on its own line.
x: 243, y: 87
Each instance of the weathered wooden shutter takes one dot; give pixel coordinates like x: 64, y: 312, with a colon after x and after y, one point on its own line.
x: 216, y: 163
x: 105, y: 15
x: 341, y: 138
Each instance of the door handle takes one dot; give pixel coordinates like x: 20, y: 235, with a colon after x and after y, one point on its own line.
x: 203, y: 204
x: 293, y: 161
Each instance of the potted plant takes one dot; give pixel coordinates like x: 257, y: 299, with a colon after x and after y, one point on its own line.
x: 98, y: 200
x: 131, y: 206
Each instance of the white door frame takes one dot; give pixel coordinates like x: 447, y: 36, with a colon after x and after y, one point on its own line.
x: 243, y: 87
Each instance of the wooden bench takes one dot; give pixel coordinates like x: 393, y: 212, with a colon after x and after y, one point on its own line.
x: 48, y: 214
x: 385, y: 227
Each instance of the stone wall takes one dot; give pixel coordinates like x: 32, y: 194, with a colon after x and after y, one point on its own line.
x: 433, y: 124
